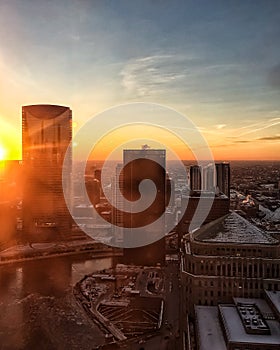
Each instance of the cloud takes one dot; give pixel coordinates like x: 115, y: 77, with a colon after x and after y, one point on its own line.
x: 222, y: 145
x: 270, y: 138
x: 220, y: 126
x: 150, y: 75
x: 186, y: 75
x: 259, y: 126
x: 242, y: 141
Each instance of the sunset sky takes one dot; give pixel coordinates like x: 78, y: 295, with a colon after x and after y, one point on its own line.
x: 217, y: 62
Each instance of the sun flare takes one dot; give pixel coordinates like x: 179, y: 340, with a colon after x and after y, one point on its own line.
x: 2, y: 153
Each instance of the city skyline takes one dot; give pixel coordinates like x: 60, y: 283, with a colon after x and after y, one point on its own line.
x: 140, y: 174
x: 215, y: 63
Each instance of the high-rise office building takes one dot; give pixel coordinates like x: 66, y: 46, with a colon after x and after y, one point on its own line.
x: 208, y: 181
x: 118, y: 205
x: 139, y: 165
x: 223, y: 178
x: 195, y: 178
x: 93, y: 189
x: 202, y: 178
x: 46, y: 135
x: 208, y: 184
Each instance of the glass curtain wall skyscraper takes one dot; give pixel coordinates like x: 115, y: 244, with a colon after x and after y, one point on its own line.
x: 46, y: 134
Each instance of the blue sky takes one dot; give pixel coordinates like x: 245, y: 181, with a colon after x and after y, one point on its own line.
x: 216, y: 61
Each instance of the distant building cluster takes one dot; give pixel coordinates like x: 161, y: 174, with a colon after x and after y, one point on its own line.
x: 229, y: 267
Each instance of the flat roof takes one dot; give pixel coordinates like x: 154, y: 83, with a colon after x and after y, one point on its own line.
x: 236, y: 332
x: 233, y: 228
x: 261, y: 304
x: 274, y: 297
x: 209, y: 329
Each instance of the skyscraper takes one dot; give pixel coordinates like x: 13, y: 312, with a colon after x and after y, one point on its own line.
x: 195, y: 178
x: 202, y: 178
x: 208, y: 183
x: 139, y: 165
x: 223, y: 178
x: 46, y: 134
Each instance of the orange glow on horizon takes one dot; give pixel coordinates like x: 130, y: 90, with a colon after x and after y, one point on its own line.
x: 3, y: 153
x: 249, y: 151
x: 10, y: 144
x: 132, y: 137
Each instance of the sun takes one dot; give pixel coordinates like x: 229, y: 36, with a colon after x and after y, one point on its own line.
x: 2, y: 153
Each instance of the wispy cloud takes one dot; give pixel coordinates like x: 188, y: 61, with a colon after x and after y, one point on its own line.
x: 261, y: 126
x: 242, y: 141
x: 270, y: 138
x: 178, y: 75
x: 150, y: 75
x: 220, y: 126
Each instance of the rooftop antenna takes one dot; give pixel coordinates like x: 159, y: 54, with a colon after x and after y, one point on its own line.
x: 145, y: 147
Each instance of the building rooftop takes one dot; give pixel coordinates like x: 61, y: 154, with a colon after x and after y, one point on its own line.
x: 45, y: 111
x: 210, y: 325
x: 235, y: 330
x: 274, y: 297
x: 209, y: 331
x: 233, y: 228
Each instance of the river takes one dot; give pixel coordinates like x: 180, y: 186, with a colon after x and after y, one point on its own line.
x: 37, y: 308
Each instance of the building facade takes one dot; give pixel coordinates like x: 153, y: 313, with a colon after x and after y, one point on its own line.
x: 216, y: 208
x: 139, y: 165
x: 223, y: 178
x: 228, y: 258
x: 195, y: 178
x: 46, y: 135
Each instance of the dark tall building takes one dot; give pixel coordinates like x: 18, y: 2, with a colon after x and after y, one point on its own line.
x: 46, y: 134
x: 139, y: 165
x: 210, y: 186
x: 93, y: 189
x: 203, y: 178
x: 223, y: 178
x: 97, y: 174
x: 195, y: 178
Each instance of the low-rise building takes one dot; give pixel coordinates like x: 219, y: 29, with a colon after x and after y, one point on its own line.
x: 248, y: 323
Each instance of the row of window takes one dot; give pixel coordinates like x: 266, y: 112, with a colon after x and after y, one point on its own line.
x: 231, y: 251
x: 235, y: 269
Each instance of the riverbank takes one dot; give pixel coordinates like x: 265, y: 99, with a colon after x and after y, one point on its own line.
x: 38, y: 251
x: 38, y: 308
